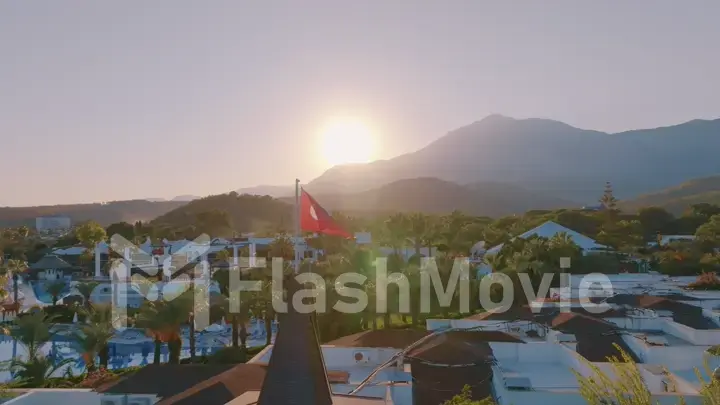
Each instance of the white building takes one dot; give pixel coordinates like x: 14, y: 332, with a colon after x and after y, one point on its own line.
x: 52, y: 224
x: 666, y: 239
x: 550, y: 229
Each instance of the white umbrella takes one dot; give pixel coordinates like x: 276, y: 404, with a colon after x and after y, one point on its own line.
x: 75, y: 318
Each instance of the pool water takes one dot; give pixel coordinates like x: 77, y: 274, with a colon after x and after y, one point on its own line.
x: 123, y: 352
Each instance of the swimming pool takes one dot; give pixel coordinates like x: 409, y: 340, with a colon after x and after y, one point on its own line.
x: 130, y: 347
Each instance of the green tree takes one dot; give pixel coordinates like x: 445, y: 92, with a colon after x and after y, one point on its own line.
x: 35, y: 371
x: 282, y: 246
x: 710, y: 232
x: 90, y: 234
x: 163, y: 320
x: 86, y: 289
x: 214, y: 222
x: 55, y: 289
x: 608, y: 200
x: 123, y: 229
x: 396, y: 227
x: 15, y: 267
x: 417, y: 229
x: 33, y: 330
x: 94, y: 336
x: 623, y: 386
x: 655, y: 220
x: 465, y: 398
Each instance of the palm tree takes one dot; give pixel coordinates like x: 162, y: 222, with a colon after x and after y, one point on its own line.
x: 418, y: 229
x: 95, y: 335
x: 495, y: 261
x: 267, y: 295
x: 433, y: 233
x: 396, y: 227
x: 163, y: 320
x: 86, y: 289
x: 283, y: 247
x: 36, y: 371
x: 149, y: 319
x: 55, y: 289
x: 15, y: 267
x: 412, y: 273
x: 33, y: 330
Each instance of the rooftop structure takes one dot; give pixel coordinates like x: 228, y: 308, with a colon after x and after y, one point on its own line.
x: 550, y: 229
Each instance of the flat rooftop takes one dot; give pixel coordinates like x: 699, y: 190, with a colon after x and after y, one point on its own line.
x: 656, y: 338
x: 542, y: 376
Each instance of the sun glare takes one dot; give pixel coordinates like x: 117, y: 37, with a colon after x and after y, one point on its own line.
x: 347, y: 140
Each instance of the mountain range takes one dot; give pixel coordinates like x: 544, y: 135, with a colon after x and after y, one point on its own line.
x: 492, y: 167
x: 103, y: 213
x: 678, y: 198
x: 546, y: 156
x: 432, y: 195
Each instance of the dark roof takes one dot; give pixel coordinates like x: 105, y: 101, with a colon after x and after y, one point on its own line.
x: 164, y: 380
x: 574, y: 323
x: 393, y: 338
x: 460, y: 347
x: 597, y: 339
x: 523, y: 313
x: 222, y: 388
x: 50, y: 262
x: 601, y: 348
x: 683, y: 313
x: 526, y: 313
x: 296, y: 372
x: 680, y: 297
x: 433, y: 385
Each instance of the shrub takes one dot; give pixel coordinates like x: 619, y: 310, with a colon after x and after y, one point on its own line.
x: 715, y: 350
x: 705, y: 281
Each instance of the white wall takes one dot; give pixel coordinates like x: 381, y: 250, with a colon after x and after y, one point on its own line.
x: 673, y: 357
x: 339, y: 358
x: 516, y: 397
x: 638, y: 323
x: 530, y: 352
x: 75, y: 397
x: 700, y: 337
x: 402, y: 394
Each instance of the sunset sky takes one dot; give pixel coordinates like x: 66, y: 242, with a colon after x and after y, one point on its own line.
x: 119, y: 100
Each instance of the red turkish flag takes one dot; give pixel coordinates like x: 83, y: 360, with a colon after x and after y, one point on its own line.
x: 314, y: 218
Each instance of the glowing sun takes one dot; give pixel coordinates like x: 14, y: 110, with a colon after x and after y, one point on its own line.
x: 347, y: 140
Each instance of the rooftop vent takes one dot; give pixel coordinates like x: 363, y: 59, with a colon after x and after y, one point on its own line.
x: 518, y: 383
x: 361, y: 357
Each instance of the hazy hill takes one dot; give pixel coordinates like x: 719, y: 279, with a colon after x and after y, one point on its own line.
x: 105, y: 214
x: 433, y: 195
x: 247, y: 213
x: 272, y: 191
x: 678, y: 198
x: 549, y: 156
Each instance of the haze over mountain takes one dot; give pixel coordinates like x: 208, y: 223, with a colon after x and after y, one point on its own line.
x: 678, y: 198
x: 103, y: 213
x: 432, y: 195
x: 272, y: 191
x: 548, y: 156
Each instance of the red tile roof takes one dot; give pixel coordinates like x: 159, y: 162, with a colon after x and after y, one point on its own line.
x: 460, y: 347
x: 221, y: 388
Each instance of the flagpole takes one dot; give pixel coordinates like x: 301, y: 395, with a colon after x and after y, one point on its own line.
x: 296, y: 245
